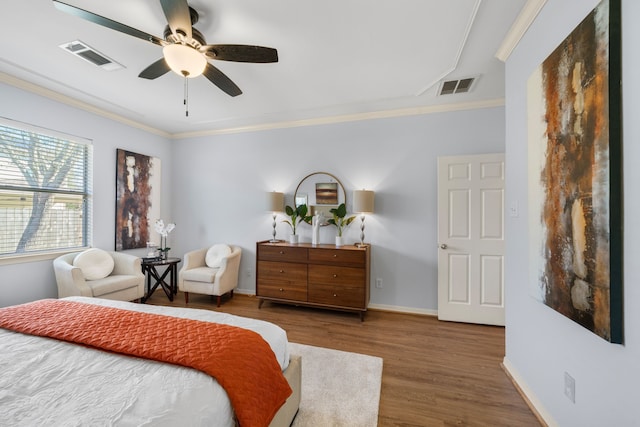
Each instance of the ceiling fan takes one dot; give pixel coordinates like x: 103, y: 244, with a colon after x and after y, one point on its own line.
x: 184, y: 48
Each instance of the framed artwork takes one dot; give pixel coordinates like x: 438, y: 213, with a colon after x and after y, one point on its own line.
x: 138, y: 179
x: 327, y: 193
x: 575, y: 176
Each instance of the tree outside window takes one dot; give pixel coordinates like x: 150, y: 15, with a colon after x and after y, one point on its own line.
x: 44, y: 190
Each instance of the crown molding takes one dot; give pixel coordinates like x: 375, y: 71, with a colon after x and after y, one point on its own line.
x: 384, y: 114
x: 520, y: 26
x: 64, y: 99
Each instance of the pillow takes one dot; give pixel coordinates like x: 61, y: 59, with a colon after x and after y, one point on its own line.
x: 215, y: 254
x: 94, y: 263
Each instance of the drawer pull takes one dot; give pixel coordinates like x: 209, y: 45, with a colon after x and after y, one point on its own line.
x: 281, y: 252
x: 281, y: 290
x: 335, y: 275
x: 335, y: 255
x: 335, y: 295
x: 281, y: 271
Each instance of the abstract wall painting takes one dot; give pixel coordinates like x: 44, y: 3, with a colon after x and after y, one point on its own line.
x: 575, y: 177
x: 137, y: 199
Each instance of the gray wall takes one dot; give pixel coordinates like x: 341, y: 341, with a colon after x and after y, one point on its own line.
x: 220, y: 181
x: 29, y: 281
x: 542, y: 344
x: 213, y: 187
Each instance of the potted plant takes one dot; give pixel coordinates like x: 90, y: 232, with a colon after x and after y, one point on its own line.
x: 340, y: 221
x: 296, y: 215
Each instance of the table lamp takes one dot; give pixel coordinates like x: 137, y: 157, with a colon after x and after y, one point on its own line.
x: 275, y: 204
x: 362, y: 204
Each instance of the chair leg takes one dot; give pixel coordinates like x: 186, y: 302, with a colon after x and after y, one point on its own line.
x: 231, y: 293
x: 186, y: 298
x: 219, y: 297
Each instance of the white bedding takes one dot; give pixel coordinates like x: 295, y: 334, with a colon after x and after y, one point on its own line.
x: 54, y: 383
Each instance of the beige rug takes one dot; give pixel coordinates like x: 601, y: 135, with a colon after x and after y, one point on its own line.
x: 338, y: 388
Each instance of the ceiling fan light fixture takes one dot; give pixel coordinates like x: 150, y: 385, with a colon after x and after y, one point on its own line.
x: 184, y: 60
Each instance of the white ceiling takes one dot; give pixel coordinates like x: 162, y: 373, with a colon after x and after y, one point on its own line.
x: 336, y: 57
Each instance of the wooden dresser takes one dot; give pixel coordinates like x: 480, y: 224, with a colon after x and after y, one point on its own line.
x: 320, y: 276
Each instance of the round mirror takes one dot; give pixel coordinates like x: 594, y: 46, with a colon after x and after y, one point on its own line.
x: 321, y: 192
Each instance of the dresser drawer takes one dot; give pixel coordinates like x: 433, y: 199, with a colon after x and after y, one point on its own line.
x: 342, y: 296
x: 293, y: 291
x: 335, y: 275
x: 282, y: 253
x: 281, y: 272
x: 338, y: 256
x: 282, y: 280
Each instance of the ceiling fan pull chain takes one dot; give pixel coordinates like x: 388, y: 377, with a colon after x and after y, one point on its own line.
x: 186, y: 96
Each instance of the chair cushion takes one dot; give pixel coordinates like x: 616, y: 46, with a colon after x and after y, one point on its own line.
x: 94, y: 263
x: 200, y: 274
x: 216, y: 254
x: 110, y: 284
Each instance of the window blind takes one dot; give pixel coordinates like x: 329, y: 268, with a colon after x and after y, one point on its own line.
x: 45, y: 190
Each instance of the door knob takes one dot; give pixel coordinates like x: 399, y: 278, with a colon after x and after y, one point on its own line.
x: 443, y: 246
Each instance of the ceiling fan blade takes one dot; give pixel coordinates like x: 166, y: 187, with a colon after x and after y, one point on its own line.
x: 155, y: 70
x: 219, y: 79
x: 106, y: 22
x: 178, y: 16
x: 241, y: 53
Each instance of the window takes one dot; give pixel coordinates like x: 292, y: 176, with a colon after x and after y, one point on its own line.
x: 45, y: 190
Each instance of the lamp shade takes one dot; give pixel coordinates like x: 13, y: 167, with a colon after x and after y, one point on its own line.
x: 363, y: 201
x: 275, y: 201
x: 184, y: 60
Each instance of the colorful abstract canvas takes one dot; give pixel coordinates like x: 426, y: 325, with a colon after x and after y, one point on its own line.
x: 137, y: 199
x: 575, y: 175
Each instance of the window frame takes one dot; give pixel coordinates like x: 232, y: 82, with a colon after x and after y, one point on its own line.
x: 86, y: 193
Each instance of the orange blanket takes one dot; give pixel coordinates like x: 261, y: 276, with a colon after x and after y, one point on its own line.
x: 239, y: 359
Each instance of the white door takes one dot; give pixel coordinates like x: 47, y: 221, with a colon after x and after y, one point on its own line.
x: 471, y: 239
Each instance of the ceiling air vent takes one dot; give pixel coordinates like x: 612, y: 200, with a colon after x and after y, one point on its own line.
x: 84, y: 51
x: 456, y: 86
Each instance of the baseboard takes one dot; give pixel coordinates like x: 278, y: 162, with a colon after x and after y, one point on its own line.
x: 527, y: 394
x: 401, y: 309
x: 376, y: 307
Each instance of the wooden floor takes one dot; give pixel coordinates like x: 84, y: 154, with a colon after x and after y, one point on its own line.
x: 434, y: 373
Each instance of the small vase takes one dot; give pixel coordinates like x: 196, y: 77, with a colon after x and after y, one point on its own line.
x: 339, y: 241
x: 164, y: 255
x: 293, y: 239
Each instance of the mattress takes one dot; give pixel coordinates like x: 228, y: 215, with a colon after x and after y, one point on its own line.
x: 50, y: 382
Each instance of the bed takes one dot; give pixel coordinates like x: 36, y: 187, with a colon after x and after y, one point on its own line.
x: 50, y: 382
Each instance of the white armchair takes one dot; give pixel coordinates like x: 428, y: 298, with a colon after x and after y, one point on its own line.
x: 125, y: 282
x: 210, y: 271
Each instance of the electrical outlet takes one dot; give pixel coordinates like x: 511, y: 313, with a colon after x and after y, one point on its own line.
x: 379, y: 283
x: 249, y: 272
x: 570, y: 387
